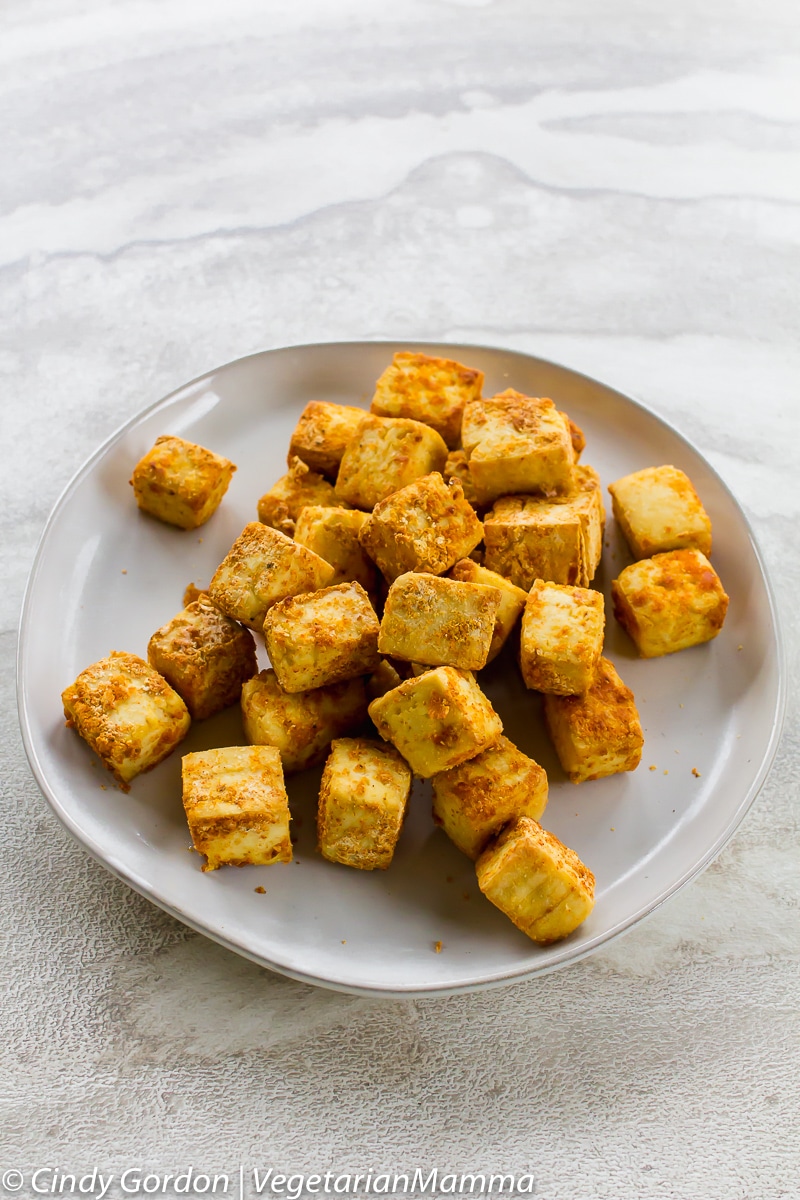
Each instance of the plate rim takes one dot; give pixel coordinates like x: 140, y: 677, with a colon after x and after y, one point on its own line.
x: 505, y: 977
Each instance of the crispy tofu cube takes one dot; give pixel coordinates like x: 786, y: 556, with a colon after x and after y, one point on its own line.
x: 439, y: 622
x: 332, y: 533
x: 512, y: 600
x: 322, y: 637
x: 236, y: 806
x: 457, y: 467
x: 181, y: 483
x: 561, y: 638
x: 282, y: 504
x: 387, y: 454
x: 538, y: 882
x: 657, y: 510
x: 301, y: 725
x: 597, y: 733
x: 669, y: 602
x: 322, y: 435
x: 262, y: 567
x: 426, y: 526
x: 472, y: 802
x: 205, y: 656
x: 191, y: 593
x: 362, y: 802
x: 436, y: 720
x: 127, y: 714
x: 431, y: 390
x: 517, y: 444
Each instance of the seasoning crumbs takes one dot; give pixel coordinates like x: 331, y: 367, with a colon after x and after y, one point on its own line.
x: 437, y: 947
x: 261, y: 891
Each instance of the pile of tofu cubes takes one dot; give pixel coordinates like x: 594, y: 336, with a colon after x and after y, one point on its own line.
x: 395, y: 559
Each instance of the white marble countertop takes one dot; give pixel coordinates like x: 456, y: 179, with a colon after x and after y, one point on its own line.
x: 611, y: 185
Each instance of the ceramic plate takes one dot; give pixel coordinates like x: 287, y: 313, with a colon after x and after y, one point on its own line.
x: 106, y: 576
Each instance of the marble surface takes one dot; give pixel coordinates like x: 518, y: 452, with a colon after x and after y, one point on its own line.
x: 611, y: 185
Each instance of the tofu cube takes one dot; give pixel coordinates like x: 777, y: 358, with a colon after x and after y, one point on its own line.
x: 204, y: 656
x: 262, y: 567
x: 236, y: 806
x: 362, y: 803
x: 457, y: 467
x: 517, y: 444
x: 387, y: 454
x: 561, y: 638
x: 322, y: 435
x: 669, y: 602
x: 512, y: 600
x: 181, y: 483
x: 439, y: 622
x: 657, y: 510
x: 383, y: 679
x: 127, y: 714
x: 301, y: 725
x: 436, y: 720
x: 538, y: 882
x: 322, y: 637
x: 431, y: 390
x: 528, y: 539
x: 332, y: 533
x: 427, y: 526
x: 282, y: 504
x: 596, y: 733
x: 473, y: 801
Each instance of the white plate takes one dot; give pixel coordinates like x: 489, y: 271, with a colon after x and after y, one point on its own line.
x: 106, y: 576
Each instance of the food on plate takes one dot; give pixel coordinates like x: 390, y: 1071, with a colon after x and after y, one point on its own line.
x: 362, y: 803
x: 598, y: 732
x: 512, y: 600
x: 205, y: 656
x: 436, y: 720
x: 670, y: 602
x: 432, y: 390
x: 384, y: 455
x: 332, y: 533
x: 236, y: 806
x: 658, y: 509
x: 427, y: 526
x: 538, y: 882
x: 262, y: 567
x: 322, y: 435
x: 322, y: 637
x: 301, y: 725
x: 285, y: 500
x: 457, y: 467
x: 561, y: 638
x: 181, y: 483
x: 383, y: 679
x: 473, y: 801
x: 436, y: 621
x: 127, y: 714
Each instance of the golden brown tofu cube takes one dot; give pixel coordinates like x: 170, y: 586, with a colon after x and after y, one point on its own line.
x: 457, y: 467
x: 282, y: 504
x: 597, y: 733
x: 262, y: 567
x: 528, y: 539
x: 538, y: 882
x: 181, y: 483
x: 205, y: 656
x: 561, y: 638
x: 301, y: 725
x: 322, y: 435
x: 332, y: 533
x: 438, y: 622
x: 472, y: 802
x: 427, y: 526
x: 669, y: 602
x: 385, y: 455
x: 512, y: 600
x: 431, y: 390
x: 436, y: 720
x: 322, y: 637
x: 517, y: 444
x: 127, y: 714
x: 236, y: 806
x: 362, y: 802
x: 657, y: 510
